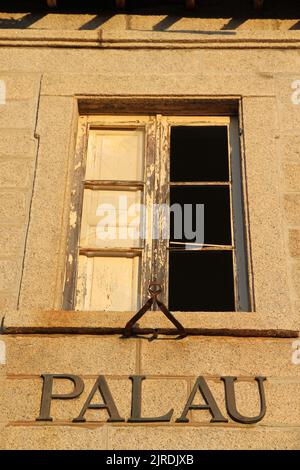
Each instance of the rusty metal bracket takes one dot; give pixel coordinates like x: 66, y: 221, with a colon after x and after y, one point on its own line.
x: 154, y: 290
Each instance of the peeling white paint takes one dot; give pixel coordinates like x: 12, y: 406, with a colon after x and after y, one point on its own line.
x: 73, y: 218
x: 2, y: 353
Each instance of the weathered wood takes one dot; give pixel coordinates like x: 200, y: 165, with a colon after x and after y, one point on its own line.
x: 125, y: 252
x: 149, y: 178
x: 114, y: 185
x: 75, y: 215
x: 191, y: 106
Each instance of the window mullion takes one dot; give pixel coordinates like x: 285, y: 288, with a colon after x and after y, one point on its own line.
x: 149, y: 179
x: 160, y: 260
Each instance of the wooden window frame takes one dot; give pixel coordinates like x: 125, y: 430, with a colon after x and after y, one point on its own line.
x: 155, y: 253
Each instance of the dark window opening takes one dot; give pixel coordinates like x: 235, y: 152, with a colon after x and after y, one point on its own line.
x: 216, y: 200
x: 204, y: 276
x: 201, y: 281
x: 199, y: 153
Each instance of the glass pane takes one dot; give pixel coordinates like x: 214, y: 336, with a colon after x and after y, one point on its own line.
x: 216, y: 200
x: 201, y: 281
x: 199, y: 153
x: 116, y: 155
x: 108, y: 283
x: 111, y: 219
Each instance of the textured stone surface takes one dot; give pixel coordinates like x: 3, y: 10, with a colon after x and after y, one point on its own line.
x: 8, y: 273
x: 15, y: 173
x: 292, y: 208
x: 219, y: 356
x: 45, y: 235
x: 291, y: 174
x: 134, y: 55
x: 8, y: 299
x: 289, y: 146
x: 55, y: 438
x: 11, y: 238
x: 294, y: 242
x: 12, y: 206
x: 19, y: 142
x: 158, y: 82
x: 18, y: 114
x: 166, y: 437
x: 263, y: 203
x: 74, y: 354
x: 21, y: 85
x: 296, y: 277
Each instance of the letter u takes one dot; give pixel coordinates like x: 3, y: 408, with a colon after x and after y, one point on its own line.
x: 231, y: 402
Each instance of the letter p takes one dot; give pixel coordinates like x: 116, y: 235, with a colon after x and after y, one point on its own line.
x: 47, y: 394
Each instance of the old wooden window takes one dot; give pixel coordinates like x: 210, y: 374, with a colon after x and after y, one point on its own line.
x: 140, y: 166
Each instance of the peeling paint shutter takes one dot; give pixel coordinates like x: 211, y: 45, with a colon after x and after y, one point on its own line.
x: 108, y: 267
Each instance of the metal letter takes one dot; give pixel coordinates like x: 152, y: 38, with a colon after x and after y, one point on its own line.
x: 231, y: 403
x: 47, y: 394
x: 108, y: 404
x: 136, y: 407
x: 211, y: 404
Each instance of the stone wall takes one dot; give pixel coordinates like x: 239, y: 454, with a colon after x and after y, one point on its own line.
x: 47, y: 73
x: 171, y: 368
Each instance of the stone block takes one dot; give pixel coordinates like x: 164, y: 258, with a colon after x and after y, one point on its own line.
x: 202, y: 438
x: 49, y: 437
x: 11, y: 239
x: 195, y: 356
x: 291, y: 204
x: 291, y: 176
x: 8, y: 274
x: 15, y: 173
x: 12, y: 206
x: 72, y: 354
x: 294, y: 242
x: 20, y: 142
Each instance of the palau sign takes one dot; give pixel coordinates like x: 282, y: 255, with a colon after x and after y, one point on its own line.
x: 108, y: 403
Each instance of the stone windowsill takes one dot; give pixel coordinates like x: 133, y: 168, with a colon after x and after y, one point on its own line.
x: 247, y: 324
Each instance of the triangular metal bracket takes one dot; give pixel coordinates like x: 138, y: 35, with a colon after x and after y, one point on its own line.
x: 154, y: 290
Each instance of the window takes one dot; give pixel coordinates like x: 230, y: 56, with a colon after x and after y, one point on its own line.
x: 160, y: 198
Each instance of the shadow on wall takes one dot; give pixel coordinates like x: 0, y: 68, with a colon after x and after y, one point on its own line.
x: 236, y: 11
